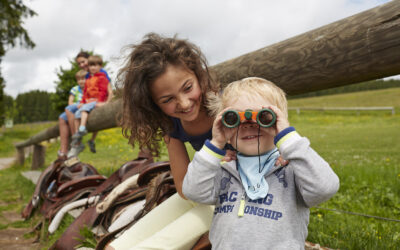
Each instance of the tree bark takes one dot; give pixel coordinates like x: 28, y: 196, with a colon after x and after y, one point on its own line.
x: 362, y: 47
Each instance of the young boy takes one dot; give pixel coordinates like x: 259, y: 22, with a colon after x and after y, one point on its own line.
x: 65, y: 124
x: 96, y: 93
x: 258, y: 205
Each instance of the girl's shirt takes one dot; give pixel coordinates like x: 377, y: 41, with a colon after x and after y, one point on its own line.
x: 180, y: 134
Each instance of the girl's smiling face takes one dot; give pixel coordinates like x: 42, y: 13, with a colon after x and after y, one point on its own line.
x: 178, y: 94
x: 249, y: 138
x: 83, y: 63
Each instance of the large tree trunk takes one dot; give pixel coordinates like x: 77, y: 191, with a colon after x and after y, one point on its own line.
x: 362, y: 47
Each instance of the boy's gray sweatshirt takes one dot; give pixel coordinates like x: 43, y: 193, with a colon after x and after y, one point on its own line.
x: 278, y: 221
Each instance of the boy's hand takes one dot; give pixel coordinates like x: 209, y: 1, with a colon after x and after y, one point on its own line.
x: 220, y: 133
x: 229, y: 156
x: 281, y: 162
x: 99, y: 104
x: 281, y: 121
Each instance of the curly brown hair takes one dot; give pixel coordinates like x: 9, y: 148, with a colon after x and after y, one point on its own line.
x: 142, y: 120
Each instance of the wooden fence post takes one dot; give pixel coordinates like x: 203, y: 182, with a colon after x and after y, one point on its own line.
x: 39, y: 153
x: 20, y: 155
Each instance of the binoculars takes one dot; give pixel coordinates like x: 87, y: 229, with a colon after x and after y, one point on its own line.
x: 265, y: 117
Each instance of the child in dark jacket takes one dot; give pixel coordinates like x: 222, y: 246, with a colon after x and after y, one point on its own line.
x: 257, y: 205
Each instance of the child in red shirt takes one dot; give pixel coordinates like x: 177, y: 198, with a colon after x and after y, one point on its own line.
x: 96, y: 93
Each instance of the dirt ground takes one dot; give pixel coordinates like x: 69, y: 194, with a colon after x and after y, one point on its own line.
x: 13, y: 238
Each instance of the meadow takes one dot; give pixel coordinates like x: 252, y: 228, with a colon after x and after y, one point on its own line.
x: 362, y: 149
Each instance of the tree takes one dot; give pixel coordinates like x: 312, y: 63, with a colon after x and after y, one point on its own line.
x: 8, y: 103
x: 34, y: 106
x: 11, y: 33
x: 66, y: 80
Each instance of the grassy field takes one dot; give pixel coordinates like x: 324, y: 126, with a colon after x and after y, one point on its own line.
x: 362, y: 149
x: 373, y: 98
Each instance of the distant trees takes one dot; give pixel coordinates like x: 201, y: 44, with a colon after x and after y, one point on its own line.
x: 11, y: 31
x: 31, y: 106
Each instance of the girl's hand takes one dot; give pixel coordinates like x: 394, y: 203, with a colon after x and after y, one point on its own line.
x: 220, y: 133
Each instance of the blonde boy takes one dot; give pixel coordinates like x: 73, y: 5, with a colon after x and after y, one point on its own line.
x: 258, y: 205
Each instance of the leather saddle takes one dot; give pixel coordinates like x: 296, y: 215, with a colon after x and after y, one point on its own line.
x: 61, y: 182
x: 91, y: 218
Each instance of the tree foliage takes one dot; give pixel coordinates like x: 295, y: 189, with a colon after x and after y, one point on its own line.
x: 66, y: 80
x: 12, y: 32
x: 34, y: 106
x: 9, y: 109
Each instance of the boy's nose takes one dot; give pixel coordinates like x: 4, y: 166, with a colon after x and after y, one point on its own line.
x: 249, y: 124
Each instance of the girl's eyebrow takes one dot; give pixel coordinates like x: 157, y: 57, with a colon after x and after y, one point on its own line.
x: 185, y: 83
x: 163, y: 96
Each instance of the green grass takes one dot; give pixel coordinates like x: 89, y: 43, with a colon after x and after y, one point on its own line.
x: 363, y: 150
x: 19, y: 133
x: 373, y: 98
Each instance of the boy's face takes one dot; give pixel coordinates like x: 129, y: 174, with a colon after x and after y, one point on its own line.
x: 82, y: 63
x: 94, y: 68
x: 250, y: 138
x: 81, y: 82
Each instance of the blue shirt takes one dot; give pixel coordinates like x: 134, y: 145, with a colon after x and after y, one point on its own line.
x: 180, y: 134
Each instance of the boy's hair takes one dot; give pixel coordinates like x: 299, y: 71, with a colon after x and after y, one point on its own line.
x: 82, y: 54
x: 142, y: 120
x: 81, y: 74
x: 95, y: 60
x: 250, y: 87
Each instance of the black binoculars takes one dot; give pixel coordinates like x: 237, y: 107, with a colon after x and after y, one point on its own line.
x: 265, y: 117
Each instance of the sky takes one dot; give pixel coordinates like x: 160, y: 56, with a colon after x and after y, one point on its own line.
x: 223, y: 29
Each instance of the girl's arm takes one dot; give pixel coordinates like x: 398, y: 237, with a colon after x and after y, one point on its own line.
x: 179, y: 161
x: 110, y: 92
x: 71, y: 99
x: 109, y: 96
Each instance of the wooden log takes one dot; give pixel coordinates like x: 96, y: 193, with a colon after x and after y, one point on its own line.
x: 362, y: 47
x: 100, y: 118
x: 39, y: 137
x: 38, y: 157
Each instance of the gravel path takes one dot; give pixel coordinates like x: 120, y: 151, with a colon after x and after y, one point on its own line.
x: 6, y: 162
